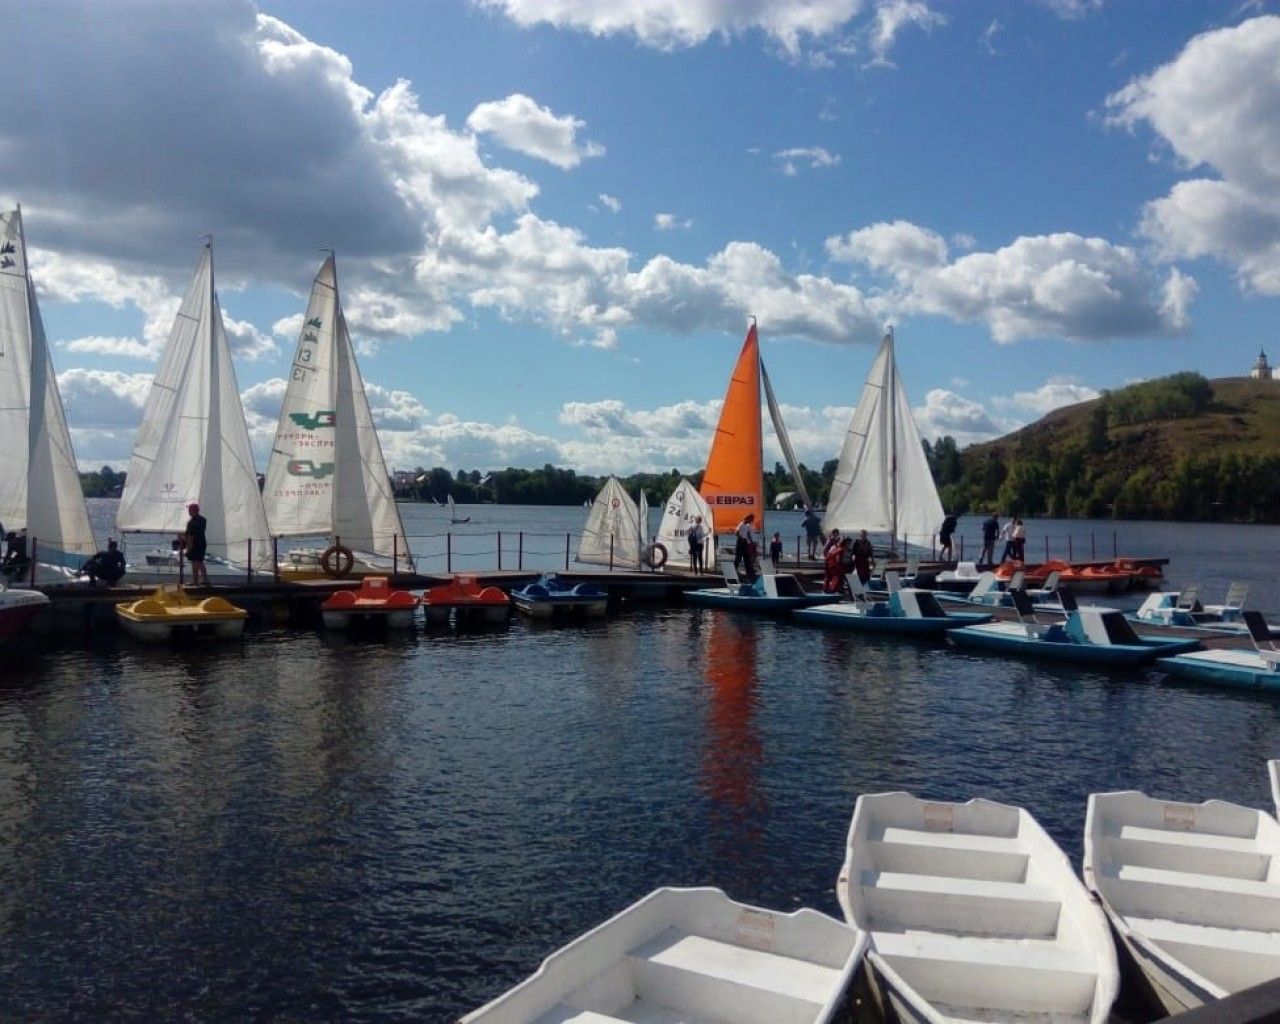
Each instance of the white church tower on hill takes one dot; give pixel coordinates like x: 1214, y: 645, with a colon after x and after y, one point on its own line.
x: 1261, y: 370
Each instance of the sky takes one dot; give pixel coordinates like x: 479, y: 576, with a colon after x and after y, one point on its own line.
x: 553, y: 218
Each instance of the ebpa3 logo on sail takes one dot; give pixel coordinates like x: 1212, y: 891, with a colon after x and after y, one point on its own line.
x: 733, y: 500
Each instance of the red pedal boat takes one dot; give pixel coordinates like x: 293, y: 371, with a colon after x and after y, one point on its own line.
x: 372, y: 603
x: 468, y: 599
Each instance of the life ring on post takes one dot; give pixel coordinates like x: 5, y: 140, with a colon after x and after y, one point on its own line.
x: 655, y: 556
x: 337, y: 561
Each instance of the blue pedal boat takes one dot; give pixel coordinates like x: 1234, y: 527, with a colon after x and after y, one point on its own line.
x: 549, y: 596
x: 770, y: 594
x: 1090, y: 636
x: 908, y: 612
x: 1258, y: 669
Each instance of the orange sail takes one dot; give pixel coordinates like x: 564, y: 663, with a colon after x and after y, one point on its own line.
x: 733, y: 484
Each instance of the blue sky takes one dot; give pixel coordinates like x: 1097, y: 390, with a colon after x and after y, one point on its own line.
x: 553, y: 217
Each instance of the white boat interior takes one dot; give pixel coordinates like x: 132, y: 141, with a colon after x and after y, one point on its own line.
x: 973, y: 914
x: 690, y: 956
x: 1193, y: 889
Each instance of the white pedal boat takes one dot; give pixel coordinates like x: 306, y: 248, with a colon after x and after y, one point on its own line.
x: 1193, y: 890
x: 973, y: 914
x: 690, y: 956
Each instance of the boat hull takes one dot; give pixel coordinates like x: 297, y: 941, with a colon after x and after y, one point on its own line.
x: 726, y: 597
x: 556, y: 607
x: 1007, y: 638
x: 368, y: 618
x: 152, y: 632
x: 1239, y: 669
x: 847, y: 617
x: 17, y: 609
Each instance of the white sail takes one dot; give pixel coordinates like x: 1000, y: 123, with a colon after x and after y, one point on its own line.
x: 39, y: 479
x: 612, y: 533
x: 193, y: 445
x: 882, y: 481
x: 327, y: 476
x: 644, y: 520
x: 784, y: 440
x: 684, y: 505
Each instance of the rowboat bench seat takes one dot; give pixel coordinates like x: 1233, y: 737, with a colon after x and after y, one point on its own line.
x: 568, y: 1015
x: 983, y: 952
x: 959, y: 854
x: 1212, y: 900
x: 1193, y: 852
x: 1239, y: 940
x: 1239, y: 844
x: 973, y: 905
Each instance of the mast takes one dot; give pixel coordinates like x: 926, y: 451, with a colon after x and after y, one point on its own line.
x: 893, y: 444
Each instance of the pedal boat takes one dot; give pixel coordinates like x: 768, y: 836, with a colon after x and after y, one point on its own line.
x: 467, y: 601
x: 973, y: 913
x: 768, y: 593
x: 1091, y: 635
x: 1190, y: 889
x: 550, y: 597
x: 373, y: 604
x: 693, y: 956
x: 1258, y: 669
x: 908, y: 611
x: 169, y: 611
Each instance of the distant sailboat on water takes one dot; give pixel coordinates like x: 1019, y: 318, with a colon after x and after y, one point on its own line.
x: 453, y: 511
x: 193, y: 445
x: 883, y: 483
x: 327, y: 476
x: 39, y: 478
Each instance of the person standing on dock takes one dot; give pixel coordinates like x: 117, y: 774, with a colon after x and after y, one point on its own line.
x: 1006, y: 535
x: 196, y: 545
x: 863, y: 556
x: 775, y: 550
x: 945, y: 531
x: 744, y: 548
x: 812, y: 531
x: 696, y: 535
x: 990, y: 528
x: 1018, y: 537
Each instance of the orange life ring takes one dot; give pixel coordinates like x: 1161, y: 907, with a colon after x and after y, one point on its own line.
x: 655, y: 556
x: 337, y: 561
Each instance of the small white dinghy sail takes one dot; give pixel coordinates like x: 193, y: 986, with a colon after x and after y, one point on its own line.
x: 1193, y: 891
x: 327, y: 476
x: 973, y: 913
x: 883, y: 483
x: 39, y: 478
x: 193, y: 445
x: 678, y: 514
x: 453, y: 511
x: 693, y: 956
x: 612, y: 534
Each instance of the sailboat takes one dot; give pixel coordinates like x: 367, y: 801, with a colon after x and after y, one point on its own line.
x: 193, y: 445
x: 327, y: 476
x: 733, y: 486
x: 883, y: 483
x: 453, y: 511
x: 39, y: 479
x: 678, y: 514
x: 612, y: 533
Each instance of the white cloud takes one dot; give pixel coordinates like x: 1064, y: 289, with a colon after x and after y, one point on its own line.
x: 891, y: 17
x: 611, y: 203
x: 104, y: 399
x: 670, y: 222
x: 246, y: 341
x: 674, y: 24
x: 946, y: 413
x: 988, y: 37
x: 126, y: 348
x: 1217, y: 105
x: 1060, y: 285
x: 520, y: 124
x: 814, y: 157
x: 1053, y: 394
x: 1071, y: 10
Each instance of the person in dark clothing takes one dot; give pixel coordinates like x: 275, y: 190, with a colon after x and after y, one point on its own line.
x: 812, y: 531
x: 944, y: 536
x: 196, y: 544
x: 863, y: 557
x: 990, y: 530
x: 744, y: 551
x: 775, y: 550
x: 15, y: 555
x: 697, y: 536
x: 107, y: 566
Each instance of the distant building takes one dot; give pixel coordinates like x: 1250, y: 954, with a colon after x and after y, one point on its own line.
x: 1262, y: 370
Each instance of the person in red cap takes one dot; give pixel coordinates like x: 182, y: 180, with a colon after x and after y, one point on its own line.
x: 196, y: 545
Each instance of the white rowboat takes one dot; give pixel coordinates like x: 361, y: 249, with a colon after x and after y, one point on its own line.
x: 973, y: 914
x: 1193, y: 890
x: 691, y: 956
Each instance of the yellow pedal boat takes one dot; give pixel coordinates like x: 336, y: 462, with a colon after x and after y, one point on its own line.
x: 169, y: 610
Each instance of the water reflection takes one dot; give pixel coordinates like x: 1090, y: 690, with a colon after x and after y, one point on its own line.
x: 734, y: 752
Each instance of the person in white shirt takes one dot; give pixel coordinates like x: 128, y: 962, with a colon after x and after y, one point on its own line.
x: 744, y: 548
x: 1019, y: 540
x: 697, y: 535
x: 1006, y: 535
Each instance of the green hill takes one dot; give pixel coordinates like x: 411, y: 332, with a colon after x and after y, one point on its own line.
x: 1180, y: 447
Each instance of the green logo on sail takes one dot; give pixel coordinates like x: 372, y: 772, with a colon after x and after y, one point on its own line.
x: 310, y: 421
x: 315, y: 322
x: 305, y: 467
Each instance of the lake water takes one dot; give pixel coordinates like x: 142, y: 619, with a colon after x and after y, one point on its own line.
x: 303, y: 826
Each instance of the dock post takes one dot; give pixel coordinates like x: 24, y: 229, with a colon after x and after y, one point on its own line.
x: 1046, y: 547
x: 35, y: 550
x: 611, y: 552
x: 448, y: 552
x: 567, y: 537
x: 1070, y: 555
x: 275, y: 558
x: 395, y: 555
x: 797, y: 550
x: 499, y: 551
x: 520, y: 552
x: 248, y: 545
x: 1115, y: 545
x: 1093, y: 547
